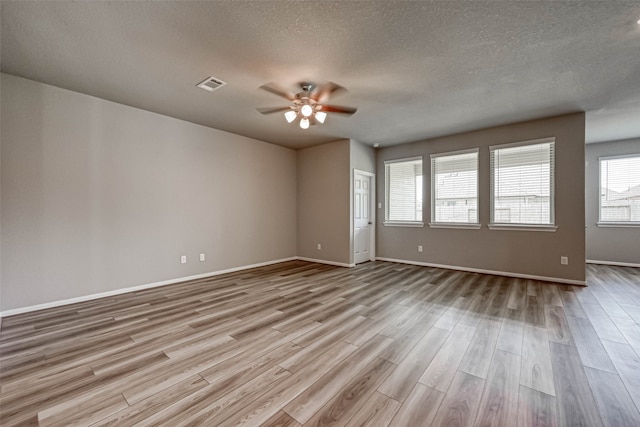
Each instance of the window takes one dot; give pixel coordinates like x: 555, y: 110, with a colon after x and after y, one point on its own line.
x: 403, y: 192
x: 454, y: 188
x: 620, y: 190
x: 522, y: 185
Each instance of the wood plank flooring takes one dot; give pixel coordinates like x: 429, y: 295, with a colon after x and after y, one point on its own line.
x: 304, y: 344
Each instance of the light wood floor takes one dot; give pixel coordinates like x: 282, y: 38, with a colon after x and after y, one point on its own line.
x: 307, y: 344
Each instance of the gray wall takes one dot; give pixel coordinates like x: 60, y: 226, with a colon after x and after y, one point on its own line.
x: 521, y: 252
x: 324, y: 202
x: 362, y: 157
x: 98, y: 196
x: 607, y: 243
x: 1, y: 206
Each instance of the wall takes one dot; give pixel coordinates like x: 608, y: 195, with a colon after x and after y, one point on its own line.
x: 363, y: 158
x: 324, y: 202
x: 607, y: 244
x: 515, y: 252
x: 98, y: 196
x: 1, y: 206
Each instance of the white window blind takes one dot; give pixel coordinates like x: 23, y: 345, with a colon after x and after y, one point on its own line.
x: 620, y: 189
x: 454, y: 187
x: 403, y: 190
x: 522, y: 183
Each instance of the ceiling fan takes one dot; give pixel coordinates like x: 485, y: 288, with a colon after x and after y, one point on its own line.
x: 308, y: 106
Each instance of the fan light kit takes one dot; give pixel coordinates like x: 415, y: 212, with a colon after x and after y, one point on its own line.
x: 308, y: 106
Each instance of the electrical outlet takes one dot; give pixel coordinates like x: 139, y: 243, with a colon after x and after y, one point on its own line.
x: 564, y: 260
x: 201, y: 257
x: 379, y: 205
x: 319, y: 247
x: 183, y: 259
x: 419, y: 248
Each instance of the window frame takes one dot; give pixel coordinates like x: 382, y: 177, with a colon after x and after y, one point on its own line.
x: 601, y: 223
x: 401, y: 223
x: 551, y: 226
x: 453, y: 224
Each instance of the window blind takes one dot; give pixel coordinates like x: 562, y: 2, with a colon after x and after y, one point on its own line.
x: 403, y: 190
x: 454, y: 187
x: 522, y: 183
x: 620, y: 189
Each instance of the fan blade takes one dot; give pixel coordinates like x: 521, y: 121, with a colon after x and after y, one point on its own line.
x: 277, y: 90
x: 270, y: 110
x: 338, y: 109
x: 324, y: 91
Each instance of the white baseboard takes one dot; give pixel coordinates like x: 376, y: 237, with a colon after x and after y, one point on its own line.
x: 83, y: 298
x: 620, y: 264
x: 59, y: 303
x: 483, y: 271
x: 322, y: 261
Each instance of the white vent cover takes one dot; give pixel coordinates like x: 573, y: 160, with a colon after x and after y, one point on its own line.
x: 210, y: 84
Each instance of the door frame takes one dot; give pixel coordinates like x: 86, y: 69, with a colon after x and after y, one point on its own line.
x: 372, y: 214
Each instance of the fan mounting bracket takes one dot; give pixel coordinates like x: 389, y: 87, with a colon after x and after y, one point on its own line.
x: 307, y: 87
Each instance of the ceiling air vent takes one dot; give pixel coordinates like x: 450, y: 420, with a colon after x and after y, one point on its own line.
x: 210, y: 84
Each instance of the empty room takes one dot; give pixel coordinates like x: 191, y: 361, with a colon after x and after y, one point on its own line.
x: 305, y: 213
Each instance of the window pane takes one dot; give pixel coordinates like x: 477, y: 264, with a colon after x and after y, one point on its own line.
x: 404, y: 190
x: 522, y: 184
x: 454, y: 181
x: 620, y: 189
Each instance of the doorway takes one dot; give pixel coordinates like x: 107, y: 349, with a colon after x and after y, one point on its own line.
x: 363, y: 217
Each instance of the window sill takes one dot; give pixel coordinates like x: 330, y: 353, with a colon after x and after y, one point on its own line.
x: 619, y: 224
x: 523, y: 227
x: 403, y: 224
x: 459, y: 225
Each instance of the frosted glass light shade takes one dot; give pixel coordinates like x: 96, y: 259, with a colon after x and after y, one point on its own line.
x: 320, y: 116
x: 304, y: 123
x: 290, y: 116
x: 306, y: 110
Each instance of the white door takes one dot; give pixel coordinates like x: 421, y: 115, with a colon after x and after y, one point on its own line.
x: 362, y: 223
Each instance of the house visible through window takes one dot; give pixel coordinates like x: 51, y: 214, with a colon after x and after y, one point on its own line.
x: 522, y: 183
x: 454, y: 187
x: 403, y: 191
x: 620, y: 189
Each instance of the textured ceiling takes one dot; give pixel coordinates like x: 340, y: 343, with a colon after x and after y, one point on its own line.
x: 415, y: 70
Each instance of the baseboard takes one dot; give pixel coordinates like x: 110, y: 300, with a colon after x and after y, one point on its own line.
x: 59, y: 303
x: 619, y: 264
x: 483, y: 271
x: 322, y: 261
